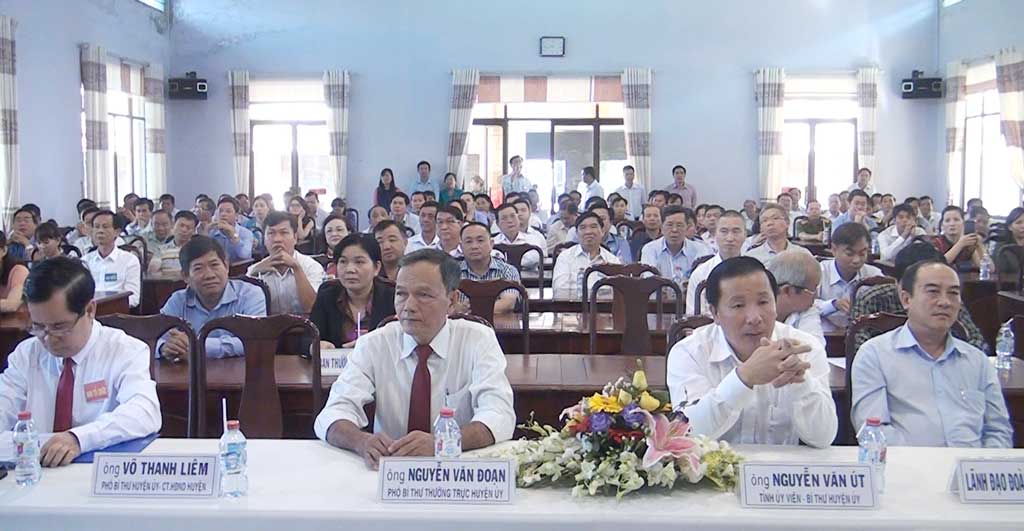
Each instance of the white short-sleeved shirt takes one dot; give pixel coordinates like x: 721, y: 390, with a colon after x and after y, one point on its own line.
x: 118, y: 271
x: 572, y: 261
x: 700, y: 274
x: 832, y: 287
x: 528, y: 237
x: 284, y: 294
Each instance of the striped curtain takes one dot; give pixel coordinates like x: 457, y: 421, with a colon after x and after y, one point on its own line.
x: 98, y: 184
x: 636, y: 96
x: 238, y: 83
x: 464, y: 87
x: 337, y: 87
x: 867, y: 121
x: 10, y: 179
x: 1010, y: 80
x: 956, y: 113
x: 770, y: 93
x: 156, y: 134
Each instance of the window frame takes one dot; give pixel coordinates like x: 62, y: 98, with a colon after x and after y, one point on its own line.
x: 132, y: 118
x: 294, y: 188
x: 812, y: 123
x: 981, y: 89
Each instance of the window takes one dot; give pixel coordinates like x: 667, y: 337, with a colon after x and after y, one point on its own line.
x: 819, y: 140
x: 290, y: 146
x: 556, y: 140
x: 950, y: 3
x: 986, y: 170
x: 126, y: 123
x: 159, y: 5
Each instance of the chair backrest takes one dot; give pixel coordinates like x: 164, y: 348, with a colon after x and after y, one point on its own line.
x: 258, y: 283
x: 797, y: 221
x: 1010, y: 254
x: 140, y: 243
x: 699, y: 261
x: 559, y: 248
x: 353, y: 218
x: 684, y: 327
x: 635, y: 294
x: 514, y: 256
x: 484, y: 293
x: 260, y: 410
x: 469, y: 317
x: 867, y: 283
x: 149, y: 329
x: 139, y: 253
x: 609, y: 270
x: 626, y: 228
x: 1017, y: 325
x: 237, y: 269
x: 68, y: 250
x: 698, y: 294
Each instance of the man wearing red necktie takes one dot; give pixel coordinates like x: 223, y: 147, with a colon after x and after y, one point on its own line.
x: 412, y: 368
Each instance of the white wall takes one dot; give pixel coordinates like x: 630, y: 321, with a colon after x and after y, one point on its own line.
x: 49, y: 100
x: 400, y: 54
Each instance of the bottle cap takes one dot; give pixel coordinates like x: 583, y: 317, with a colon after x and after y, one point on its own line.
x: 232, y: 424
x: 447, y: 412
x: 874, y: 421
x: 25, y: 415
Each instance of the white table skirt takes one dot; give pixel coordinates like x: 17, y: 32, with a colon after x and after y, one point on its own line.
x: 307, y: 486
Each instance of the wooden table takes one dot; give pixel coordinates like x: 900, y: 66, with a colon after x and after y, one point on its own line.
x: 529, y: 277
x: 544, y: 384
x: 156, y: 289
x: 1010, y: 303
x: 570, y: 332
x: 568, y: 300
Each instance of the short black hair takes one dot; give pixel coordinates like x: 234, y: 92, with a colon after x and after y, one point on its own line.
x: 503, y: 206
x: 911, y: 199
x: 951, y: 208
x: 89, y: 210
x: 594, y: 201
x: 232, y: 201
x: 197, y: 247
x: 422, y: 163
x: 312, y: 193
x: 240, y: 195
x: 402, y: 196
x: 738, y: 266
x: 363, y: 241
x: 338, y: 202
x: 599, y: 206
x: 589, y: 170
x: 474, y: 224
x: 589, y: 215
x: 678, y: 167
x: 162, y: 212
x: 514, y: 157
x: 82, y: 204
x: 864, y: 169
x: 628, y: 167
x: 369, y: 213
x: 910, y: 275
x: 105, y: 212
x: 670, y: 197
x: 60, y: 274
x: 48, y: 231
x: 919, y: 251
x: 904, y: 208
x: 451, y: 275
x: 27, y: 209
x: 454, y: 211
x: 416, y: 193
x: 430, y: 204
x: 656, y: 193
x: 857, y: 192
x: 277, y: 217
x: 427, y: 194
x: 671, y: 210
x: 850, y: 234
x: 143, y: 201
x: 383, y: 225
x: 169, y: 197
x: 923, y: 197
x: 206, y: 204
x: 185, y: 214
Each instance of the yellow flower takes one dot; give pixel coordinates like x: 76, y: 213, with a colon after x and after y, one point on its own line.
x: 640, y: 380
x: 648, y: 402
x: 606, y: 404
x: 624, y: 398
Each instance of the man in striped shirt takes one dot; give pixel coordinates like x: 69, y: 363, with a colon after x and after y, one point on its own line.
x: 480, y: 265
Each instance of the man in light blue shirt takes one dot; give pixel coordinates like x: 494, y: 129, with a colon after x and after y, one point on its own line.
x: 927, y: 387
x: 673, y: 254
x: 209, y: 295
x: 857, y: 212
x: 423, y: 182
x: 225, y: 230
x: 516, y: 181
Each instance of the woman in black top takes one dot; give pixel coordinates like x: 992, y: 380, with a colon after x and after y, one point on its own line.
x: 358, y: 301
x: 386, y: 188
x: 1008, y: 263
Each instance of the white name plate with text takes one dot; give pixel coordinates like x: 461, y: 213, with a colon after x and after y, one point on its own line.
x: 989, y: 480
x: 447, y: 481
x: 333, y: 360
x: 807, y: 486
x: 155, y: 475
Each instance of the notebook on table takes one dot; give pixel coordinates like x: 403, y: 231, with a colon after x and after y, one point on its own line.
x: 7, y: 460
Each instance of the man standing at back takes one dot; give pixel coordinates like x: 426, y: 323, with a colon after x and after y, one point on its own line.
x: 515, y: 182
x: 422, y: 182
x: 589, y: 185
x: 863, y: 182
x: 681, y: 187
x: 632, y: 192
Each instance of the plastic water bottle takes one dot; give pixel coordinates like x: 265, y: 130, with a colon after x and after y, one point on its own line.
x: 1004, y: 347
x: 985, y: 268
x: 876, y: 249
x: 579, y: 282
x: 873, y: 449
x: 234, y: 480
x: 26, y: 448
x: 447, y: 435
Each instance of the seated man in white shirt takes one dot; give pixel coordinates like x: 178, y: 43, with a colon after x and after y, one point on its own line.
x: 449, y: 221
x: 143, y: 209
x: 524, y: 209
x: 747, y: 378
x: 711, y: 215
x: 427, y: 236
x: 558, y: 230
x: 903, y: 231
x: 112, y: 269
x: 797, y: 275
x: 87, y: 384
x: 850, y: 246
x: 400, y: 212
x: 412, y: 367
x: 730, y: 230
x: 927, y: 387
x: 292, y: 277
x: 632, y: 192
x: 567, y: 276
x: 511, y: 234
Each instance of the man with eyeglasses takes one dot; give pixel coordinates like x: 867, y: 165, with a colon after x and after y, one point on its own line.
x: 85, y: 383
x: 112, y: 269
x: 797, y: 275
x: 673, y: 254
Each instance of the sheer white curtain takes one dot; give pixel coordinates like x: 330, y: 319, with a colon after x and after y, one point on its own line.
x: 337, y: 91
x: 156, y: 133
x: 1010, y: 82
x: 867, y: 122
x: 10, y: 179
x: 238, y: 82
x: 636, y: 98
x: 98, y: 184
x: 464, y: 87
x: 770, y: 92
x: 956, y: 113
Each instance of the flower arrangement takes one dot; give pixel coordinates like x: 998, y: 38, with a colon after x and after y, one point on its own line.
x: 619, y: 441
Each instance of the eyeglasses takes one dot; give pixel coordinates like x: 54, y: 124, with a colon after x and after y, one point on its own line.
x: 799, y: 288
x: 55, y: 330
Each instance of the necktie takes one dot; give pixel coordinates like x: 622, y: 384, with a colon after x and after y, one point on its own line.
x: 419, y: 397
x: 65, y: 397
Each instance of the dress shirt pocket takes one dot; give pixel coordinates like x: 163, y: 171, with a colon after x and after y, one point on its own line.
x: 966, y: 421
x: 462, y: 402
x: 779, y: 424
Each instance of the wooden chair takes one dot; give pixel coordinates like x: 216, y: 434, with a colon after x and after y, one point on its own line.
x: 1009, y: 254
x: 635, y: 292
x: 140, y: 244
x: 514, y: 256
x: 467, y: 316
x: 68, y: 250
x: 260, y: 411
x: 559, y: 248
x: 797, y: 221
x: 609, y: 270
x: 483, y: 294
x: 353, y: 218
x: 149, y: 329
x: 626, y: 228
x: 1017, y: 325
x: 698, y: 293
x: 699, y: 261
x: 683, y: 328
x: 258, y: 283
x: 867, y: 283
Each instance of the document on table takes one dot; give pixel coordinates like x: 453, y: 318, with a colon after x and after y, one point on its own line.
x: 838, y: 362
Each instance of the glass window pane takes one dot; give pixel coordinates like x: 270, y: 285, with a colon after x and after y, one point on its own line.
x: 827, y: 109
x: 796, y: 147
x: 834, y: 160
x: 613, y: 157
x: 972, y: 160
x: 139, y: 156
x: 272, y: 159
x: 282, y: 112
x: 974, y: 103
x: 314, y: 160
x: 991, y: 98
x: 998, y: 191
x: 484, y: 159
x: 612, y: 109
x: 122, y: 152
x: 574, y: 150
x: 531, y: 139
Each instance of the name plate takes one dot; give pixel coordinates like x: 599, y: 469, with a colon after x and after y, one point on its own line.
x: 447, y: 481
x: 333, y: 360
x: 807, y: 486
x: 989, y: 480
x: 155, y: 475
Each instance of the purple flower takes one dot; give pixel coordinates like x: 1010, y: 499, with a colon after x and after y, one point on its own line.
x: 600, y: 422
x: 633, y: 415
